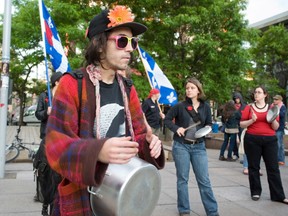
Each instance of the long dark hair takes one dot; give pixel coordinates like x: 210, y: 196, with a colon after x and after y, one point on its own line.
x: 95, y: 51
x: 228, y: 110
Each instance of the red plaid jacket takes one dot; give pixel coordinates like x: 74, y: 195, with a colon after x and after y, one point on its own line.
x: 75, y: 157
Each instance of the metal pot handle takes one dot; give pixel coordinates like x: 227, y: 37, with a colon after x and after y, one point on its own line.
x: 96, y: 193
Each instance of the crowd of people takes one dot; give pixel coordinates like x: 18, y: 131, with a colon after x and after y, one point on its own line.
x: 104, y: 123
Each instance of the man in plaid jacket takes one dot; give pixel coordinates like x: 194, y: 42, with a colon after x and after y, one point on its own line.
x: 110, y: 127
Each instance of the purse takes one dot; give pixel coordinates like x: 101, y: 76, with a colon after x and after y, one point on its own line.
x: 232, y: 130
x: 241, y: 146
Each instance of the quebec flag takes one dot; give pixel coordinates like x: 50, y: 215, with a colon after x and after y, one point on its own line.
x: 158, y: 80
x: 53, y: 43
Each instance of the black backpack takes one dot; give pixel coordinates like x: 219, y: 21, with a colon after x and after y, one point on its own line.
x: 47, y: 180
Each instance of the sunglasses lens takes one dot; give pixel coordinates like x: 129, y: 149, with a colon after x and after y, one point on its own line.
x: 122, y: 42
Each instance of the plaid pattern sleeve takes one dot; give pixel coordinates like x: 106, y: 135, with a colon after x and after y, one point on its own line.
x: 72, y: 157
x: 140, y: 131
x: 137, y: 118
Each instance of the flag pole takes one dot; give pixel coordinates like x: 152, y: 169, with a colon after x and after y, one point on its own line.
x: 139, y: 52
x: 44, y: 50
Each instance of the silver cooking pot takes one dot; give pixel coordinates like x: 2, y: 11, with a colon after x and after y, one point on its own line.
x: 130, y: 189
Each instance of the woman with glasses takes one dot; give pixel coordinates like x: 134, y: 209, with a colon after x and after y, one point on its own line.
x: 103, y: 123
x: 260, y: 141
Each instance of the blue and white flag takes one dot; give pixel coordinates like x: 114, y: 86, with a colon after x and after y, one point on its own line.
x: 158, y: 80
x: 52, y: 40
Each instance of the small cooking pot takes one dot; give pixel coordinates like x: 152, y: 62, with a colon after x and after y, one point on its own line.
x: 127, y: 189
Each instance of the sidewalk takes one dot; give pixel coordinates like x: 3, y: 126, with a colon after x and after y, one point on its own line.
x: 231, y: 189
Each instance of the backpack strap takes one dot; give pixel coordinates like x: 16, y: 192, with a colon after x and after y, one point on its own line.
x: 78, y: 74
x: 128, y: 83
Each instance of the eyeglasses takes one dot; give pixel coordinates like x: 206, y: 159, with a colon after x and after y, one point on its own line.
x: 258, y: 92
x: 122, y: 41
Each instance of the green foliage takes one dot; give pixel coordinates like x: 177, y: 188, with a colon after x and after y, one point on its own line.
x: 198, y: 38
x: 270, y: 55
x: 205, y: 39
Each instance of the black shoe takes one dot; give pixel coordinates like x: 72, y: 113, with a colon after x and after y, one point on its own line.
x: 45, y: 210
x: 255, y: 197
x: 229, y: 159
x: 222, y: 158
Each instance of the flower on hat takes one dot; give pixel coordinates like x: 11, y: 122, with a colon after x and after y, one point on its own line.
x: 119, y: 15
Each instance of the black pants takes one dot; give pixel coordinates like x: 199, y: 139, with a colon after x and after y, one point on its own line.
x: 267, y: 147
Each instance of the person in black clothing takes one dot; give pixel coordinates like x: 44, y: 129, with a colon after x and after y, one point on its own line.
x: 194, y: 113
x: 239, y: 105
x: 47, y: 179
x: 43, y: 109
x: 152, y: 112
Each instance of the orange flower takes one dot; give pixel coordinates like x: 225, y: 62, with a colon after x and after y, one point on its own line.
x: 119, y: 15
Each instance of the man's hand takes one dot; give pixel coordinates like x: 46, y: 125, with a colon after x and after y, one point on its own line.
x: 118, y: 150
x: 154, y: 144
x: 162, y: 115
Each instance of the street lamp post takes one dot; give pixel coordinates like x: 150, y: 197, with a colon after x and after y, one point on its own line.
x: 4, y: 84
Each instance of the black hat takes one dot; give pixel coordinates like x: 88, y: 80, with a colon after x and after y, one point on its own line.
x: 103, y: 22
x: 55, y: 77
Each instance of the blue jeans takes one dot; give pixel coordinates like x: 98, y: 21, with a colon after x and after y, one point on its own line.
x: 281, y: 152
x: 231, y: 145
x: 245, y: 161
x: 183, y: 155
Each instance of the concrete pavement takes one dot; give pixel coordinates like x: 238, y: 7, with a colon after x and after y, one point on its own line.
x: 230, y: 186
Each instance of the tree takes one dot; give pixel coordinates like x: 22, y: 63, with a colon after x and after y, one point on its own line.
x: 24, y: 53
x: 26, y: 50
x: 270, y: 54
x: 186, y: 38
x: 196, y: 38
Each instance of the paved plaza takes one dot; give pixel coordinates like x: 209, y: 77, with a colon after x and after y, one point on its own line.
x: 231, y: 187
